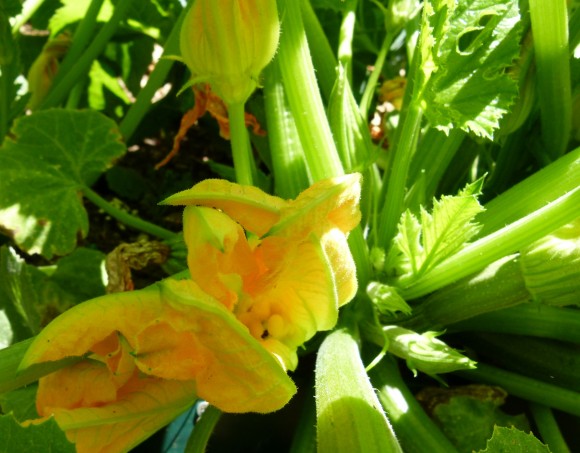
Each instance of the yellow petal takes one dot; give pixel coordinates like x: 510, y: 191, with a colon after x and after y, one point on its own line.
x: 242, y: 376
x: 218, y: 253
x: 254, y: 209
x: 330, y: 203
x: 86, y: 383
x: 298, y: 299
x: 76, y: 331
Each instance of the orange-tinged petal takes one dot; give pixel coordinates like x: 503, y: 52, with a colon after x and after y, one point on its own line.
x: 146, y: 407
x: 254, y: 209
x: 164, y: 352
x: 86, y: 383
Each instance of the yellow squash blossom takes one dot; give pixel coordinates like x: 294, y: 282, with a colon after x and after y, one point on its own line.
x: 267, y: 274
x: 282, y: 267
x: 148, y: 355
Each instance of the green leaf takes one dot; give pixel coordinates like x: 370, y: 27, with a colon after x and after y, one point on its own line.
x: 507, y: 440
x: 10, y: 7
x: 101, y: 82
x: 44, y: 165
x: 465, y: 58
x: 81, y: 274
x: 21, y: 403
x: 424, y: 352
x: 18, y: 297
x: 73, y: 11
x: 468, y: 414
x: 6, y: 333
x: 422, y: 244
x: 43, y: 438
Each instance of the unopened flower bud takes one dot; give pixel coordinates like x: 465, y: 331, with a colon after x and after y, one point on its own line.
x: 227, y: 43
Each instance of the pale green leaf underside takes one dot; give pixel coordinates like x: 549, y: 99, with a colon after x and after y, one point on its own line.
x: 49, y: 157
x: 467, y: 85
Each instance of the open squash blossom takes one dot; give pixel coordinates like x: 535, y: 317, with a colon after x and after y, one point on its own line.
x: 148, y: 355
x: 282, y: 267
x: 227, y: 43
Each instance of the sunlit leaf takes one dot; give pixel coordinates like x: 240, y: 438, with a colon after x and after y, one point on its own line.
x: 512, y: 439
x: 49, y: 157
x: 73, y: 11
x: 101, y: 83
x: 467, y: 53
x: 424, y: 242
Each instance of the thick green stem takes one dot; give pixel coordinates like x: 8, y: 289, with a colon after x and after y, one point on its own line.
x: 415, y: 430
x: 498, y: 286
x: 397, y: 182
x: 289, y: 167
x: 550, y: 28
x: 81, y: 38
x: 60, y: 91
x: 197, y: 443
x: 141, y: 105
x: 304, y: 96
x: 309, y: 113
x: 533, y: 193
x: 126, y: 218
x: 526, y: 388
x: 242, y: 151
x: 503, y: 242
x: 549, y: 429
x: 532, y: 319
x: 349, y: 415
x: 323, y: 57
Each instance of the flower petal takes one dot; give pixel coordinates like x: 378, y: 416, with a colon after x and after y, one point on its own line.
x: 238, y: 374
x: 254, y: 209
x: 146, y: 407
x: 330, y: 203
x: 218, y: 253
x: 298, y: 301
